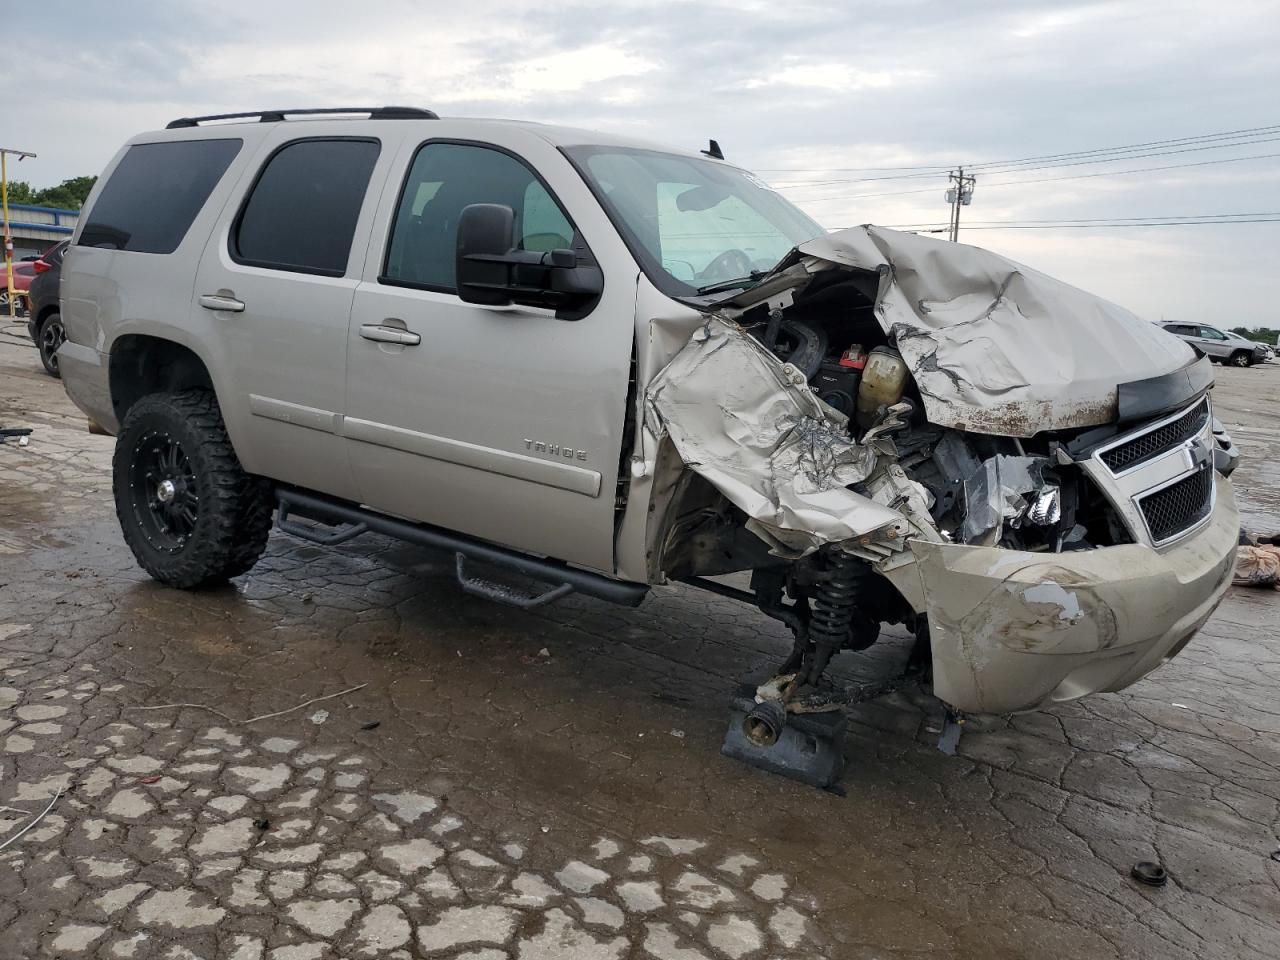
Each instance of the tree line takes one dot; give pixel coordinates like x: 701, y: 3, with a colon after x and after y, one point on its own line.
x: 68, y: 195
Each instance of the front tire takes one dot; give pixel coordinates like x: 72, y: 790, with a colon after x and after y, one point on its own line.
x: 49, y: 337
x: 187, y: 509
x: 1241, y: 359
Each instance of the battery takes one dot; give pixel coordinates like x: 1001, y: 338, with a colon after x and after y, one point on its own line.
x: 836, y: 385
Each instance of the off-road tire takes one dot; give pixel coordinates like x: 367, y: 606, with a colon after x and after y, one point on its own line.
x: 228, y: 518
x: 1241, y: 359
x: 49, y: 337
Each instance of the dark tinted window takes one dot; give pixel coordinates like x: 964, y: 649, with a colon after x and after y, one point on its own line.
x: 155, y: 192
x: 301, y: 214
x: 445, y: 178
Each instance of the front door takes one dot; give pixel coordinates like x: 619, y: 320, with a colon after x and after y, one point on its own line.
x: 1214, y: 342
x: 501, y: 422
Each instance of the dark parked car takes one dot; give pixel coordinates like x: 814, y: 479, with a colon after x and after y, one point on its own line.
x: 44, y: 321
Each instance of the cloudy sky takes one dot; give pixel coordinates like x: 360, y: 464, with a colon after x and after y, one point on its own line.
x: 811, y: 94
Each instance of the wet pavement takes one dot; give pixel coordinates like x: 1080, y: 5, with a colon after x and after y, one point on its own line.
x: 508, y: 784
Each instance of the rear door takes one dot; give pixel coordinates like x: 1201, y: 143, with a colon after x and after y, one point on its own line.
x: 500, y: 422
x: 276, y: 280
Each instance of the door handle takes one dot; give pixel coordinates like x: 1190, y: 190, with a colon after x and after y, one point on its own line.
x: 384, y: 334
x: 216, y: 301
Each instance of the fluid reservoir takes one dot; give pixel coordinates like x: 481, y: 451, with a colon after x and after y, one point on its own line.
x: 883, y: 380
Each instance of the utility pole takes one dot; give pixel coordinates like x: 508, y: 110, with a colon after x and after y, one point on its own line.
x: 8, y: 238
x: 959, y: 195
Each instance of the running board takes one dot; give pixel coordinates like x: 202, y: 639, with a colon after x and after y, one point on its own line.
x: 352, y: 520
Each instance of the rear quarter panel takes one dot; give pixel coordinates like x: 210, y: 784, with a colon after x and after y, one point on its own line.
x: 107, y: 294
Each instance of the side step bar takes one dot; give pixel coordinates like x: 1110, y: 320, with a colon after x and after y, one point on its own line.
x: 359, y: 520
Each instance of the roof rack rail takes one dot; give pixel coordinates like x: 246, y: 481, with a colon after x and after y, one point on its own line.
x: 275, y: 116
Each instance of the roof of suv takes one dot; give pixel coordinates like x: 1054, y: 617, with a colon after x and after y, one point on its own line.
x: 559, y: 136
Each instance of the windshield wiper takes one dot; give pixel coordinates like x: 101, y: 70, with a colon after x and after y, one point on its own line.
x: 754, y: 277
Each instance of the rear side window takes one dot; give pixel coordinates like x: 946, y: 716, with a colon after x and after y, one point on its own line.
x: 301, y: 214
x: 155, y: 192
x: 443, y: 180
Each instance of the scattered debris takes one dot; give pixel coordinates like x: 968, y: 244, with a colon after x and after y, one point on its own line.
x: 1258, y: 565
x: 149, y: 780
x: 952, y: 726
x: 678, y: 734
x: 1150, y: 873
x: 371, y: 725
x: 34, y: 820
x: 544, y: 652
x: 262, y: 823
x: 1180, y: 706
x: 265, y: 716
x: 319, y: 717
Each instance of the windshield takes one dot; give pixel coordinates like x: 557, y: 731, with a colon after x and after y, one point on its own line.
x: 693, y: 224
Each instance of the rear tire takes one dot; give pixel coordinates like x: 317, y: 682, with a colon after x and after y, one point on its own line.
x: 1241, y: 359
x: 187, y: 509
x: 49, y: 337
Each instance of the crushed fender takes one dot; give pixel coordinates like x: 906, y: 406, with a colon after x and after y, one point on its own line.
x: 751, y: 426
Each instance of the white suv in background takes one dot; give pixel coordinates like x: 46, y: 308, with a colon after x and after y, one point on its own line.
x: 1221, y: 346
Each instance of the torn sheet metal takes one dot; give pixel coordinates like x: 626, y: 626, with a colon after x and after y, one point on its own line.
x: 751, y: 426
x: 995, y: 347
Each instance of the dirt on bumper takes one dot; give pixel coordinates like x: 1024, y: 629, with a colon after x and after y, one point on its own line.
x: 1015, y: 631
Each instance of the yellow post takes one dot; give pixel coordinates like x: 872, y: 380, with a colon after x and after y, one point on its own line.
x: 8, y: 242
x: 8, y: 238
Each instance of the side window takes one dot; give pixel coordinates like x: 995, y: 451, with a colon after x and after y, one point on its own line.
x: 1211, y: 334
x: 443, y: 179
x: 155, y: 192
x: 301, y: 213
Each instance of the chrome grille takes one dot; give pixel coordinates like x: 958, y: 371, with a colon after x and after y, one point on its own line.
x: 1181, y: 505
x: 1152, y: 444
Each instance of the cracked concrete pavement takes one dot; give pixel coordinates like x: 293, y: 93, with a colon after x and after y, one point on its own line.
x: 512, y: 805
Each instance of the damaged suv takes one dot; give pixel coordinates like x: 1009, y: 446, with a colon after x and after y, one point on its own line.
x: 608, y: 365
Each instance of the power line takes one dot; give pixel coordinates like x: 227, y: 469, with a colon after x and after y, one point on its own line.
x: 1051, y: 156
x: 1171, y: 216
x: 1078, y: 176
x: 1048, y: 166
x: 1112, y: 226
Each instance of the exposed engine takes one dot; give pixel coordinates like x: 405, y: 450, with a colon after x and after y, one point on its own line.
x: 979, y: 489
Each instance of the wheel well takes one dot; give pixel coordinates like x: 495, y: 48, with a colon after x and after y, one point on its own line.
x: 141, y: 365
x: 44, y: 314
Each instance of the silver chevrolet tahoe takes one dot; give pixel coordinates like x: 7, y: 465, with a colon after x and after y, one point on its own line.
x: 606, y: 365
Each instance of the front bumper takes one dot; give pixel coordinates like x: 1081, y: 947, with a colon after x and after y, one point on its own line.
x: 1015, y: 631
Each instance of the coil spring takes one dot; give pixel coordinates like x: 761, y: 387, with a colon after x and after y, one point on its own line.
x: 834, y: 602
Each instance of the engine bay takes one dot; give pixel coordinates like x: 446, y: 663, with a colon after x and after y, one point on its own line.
x: 1023, y: 494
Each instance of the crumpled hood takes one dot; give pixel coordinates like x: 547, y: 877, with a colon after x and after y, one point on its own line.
x: 994, y: 346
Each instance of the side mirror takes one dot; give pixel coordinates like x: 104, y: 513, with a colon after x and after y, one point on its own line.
x: 490, y: 270
x: 486, y: 233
